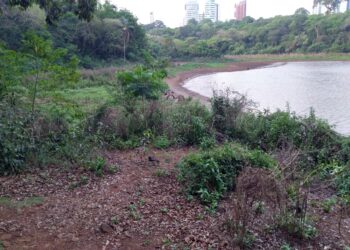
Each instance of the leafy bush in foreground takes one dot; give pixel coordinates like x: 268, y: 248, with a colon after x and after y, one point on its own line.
x: 209, y: 174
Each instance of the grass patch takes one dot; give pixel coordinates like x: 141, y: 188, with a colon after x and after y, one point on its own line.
x: 27, y: 202
x: 88, y: 99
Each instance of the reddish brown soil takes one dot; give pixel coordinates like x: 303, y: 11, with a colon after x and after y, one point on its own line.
x: 176, y: 83
x: 140, y: 207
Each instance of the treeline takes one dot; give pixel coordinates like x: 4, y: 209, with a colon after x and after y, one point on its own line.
x: 114, y: 35
x: 110, y: 36
x: 300, y: 33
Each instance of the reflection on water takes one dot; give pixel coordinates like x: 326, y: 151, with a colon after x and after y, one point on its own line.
x: 325, y: 86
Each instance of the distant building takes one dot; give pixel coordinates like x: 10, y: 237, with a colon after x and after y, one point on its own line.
x: 317, y: 9
x: 192, y: 10
x: 201, y: 17
x: 211, y: 10
x: 348, y: 6
x: 241, y: 10
x: 151, y: 17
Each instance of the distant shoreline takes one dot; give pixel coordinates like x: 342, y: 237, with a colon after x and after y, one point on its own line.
x: 176, y: 83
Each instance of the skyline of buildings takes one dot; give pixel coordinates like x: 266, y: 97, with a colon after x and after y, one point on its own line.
x: 240, y: 10
x: 191, y: 10
x: 211, y: 10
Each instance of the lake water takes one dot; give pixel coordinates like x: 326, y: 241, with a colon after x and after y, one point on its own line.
x: 325, y: 86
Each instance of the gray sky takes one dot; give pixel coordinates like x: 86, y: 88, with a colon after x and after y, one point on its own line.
x: 172, y: 12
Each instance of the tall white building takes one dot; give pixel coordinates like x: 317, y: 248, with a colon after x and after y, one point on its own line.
x: 192, y: 10
x: 211, y: 10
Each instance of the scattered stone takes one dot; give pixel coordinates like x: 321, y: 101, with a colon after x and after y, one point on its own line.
x: 153, y: 160
x: 105, y: 228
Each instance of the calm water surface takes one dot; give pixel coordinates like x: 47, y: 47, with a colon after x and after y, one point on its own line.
x: 325, y: 86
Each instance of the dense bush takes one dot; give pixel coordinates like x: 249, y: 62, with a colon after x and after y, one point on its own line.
x: 189, y: 122
x: 209, y: 174
x: 185, y: 123
x: 316, y: 139
x: 15, y: 139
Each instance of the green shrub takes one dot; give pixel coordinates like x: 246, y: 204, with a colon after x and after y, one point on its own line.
x: 96, y: 165
x: 207, y: 143
x: 328, y: 204
x: 315, y: 138
x: 209, y: 174
x: 227, y: 107
x: 342, y: 180
x: 297, y: 227
x: 161, y: 142
x: 15, y: 139
x: 189, y: 122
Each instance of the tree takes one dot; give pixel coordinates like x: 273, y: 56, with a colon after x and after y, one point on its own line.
x: 126, y: 35
x: 54, y: 9
x: 331, y: 5
x: 302, y: 12
x: 48, y: 68
x: 106, y: 10
x: 142, y: 82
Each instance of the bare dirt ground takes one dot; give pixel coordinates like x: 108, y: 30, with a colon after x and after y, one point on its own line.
x: 142, y: 206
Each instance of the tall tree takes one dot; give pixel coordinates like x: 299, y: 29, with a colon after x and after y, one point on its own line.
x: 126, y: 35
x: 331, y: 5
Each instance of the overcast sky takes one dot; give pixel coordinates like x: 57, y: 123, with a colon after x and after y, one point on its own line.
x: 172, y: 12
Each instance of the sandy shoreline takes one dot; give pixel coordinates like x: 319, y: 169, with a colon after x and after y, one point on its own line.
x: 176, y: 83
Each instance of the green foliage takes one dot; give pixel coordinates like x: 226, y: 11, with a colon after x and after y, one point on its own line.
x: 142, y: 82
x: 48, y: 65
x: 331, y: 5
x: 296, y: 227
x: 190, y: 123
x: 161, y: 142
x: 161, y: 172
x: 27, y: 202
x: 10, y: 71
x: 84, y: 9
x: 207, y: 143
x: 342, y: 179
x: 286, y: 247
x: 273, y: 131
x: 298, y: 33
x: 328, y: 204
x: 96, y: 165
x: 15, y: 139
x: 97, y: 43
x: 210, y: 174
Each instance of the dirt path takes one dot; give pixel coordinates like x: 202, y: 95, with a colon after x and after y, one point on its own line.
x: 142, y: 206
x: 176, y: 83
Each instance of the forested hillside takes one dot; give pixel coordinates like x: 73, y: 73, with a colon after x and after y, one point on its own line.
x: 300, y: 33
x: 114, y: 34
x: 104, y: 39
